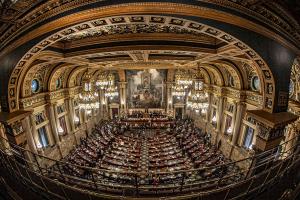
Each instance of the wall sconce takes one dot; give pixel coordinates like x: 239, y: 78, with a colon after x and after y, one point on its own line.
x: 76, y: 119
x: 60, y: 130
x: 39, y: 146
x: 214, y: 119
x: 229, y: 130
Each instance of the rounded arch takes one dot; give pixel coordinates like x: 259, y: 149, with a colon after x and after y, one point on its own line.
x: 234, y: 72
x: 61, y: 73
x: 217, y: 74
x: 72, y: 78
x: 183, y: 21
x: 37, y: 72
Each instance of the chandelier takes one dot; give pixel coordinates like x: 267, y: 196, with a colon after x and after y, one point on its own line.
x: 183, y: 78
x: 87, y: 98
x: 104, y: 80
x: 178, y: 90
x: 111, y: 91
x: 198, y: 99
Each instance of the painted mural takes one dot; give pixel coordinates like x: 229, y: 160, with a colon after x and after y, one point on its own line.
x: 145, y: 88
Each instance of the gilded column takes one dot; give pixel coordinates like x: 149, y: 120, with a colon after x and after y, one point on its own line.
x: 52, y: 118
x: 100, y: 93
x: 29, y: 134
x: 209, y: 107
x: 220, y: 113
x: 240, y: 108
x: 169, y: 97
x: 122, y: 93
x: 71, y: 114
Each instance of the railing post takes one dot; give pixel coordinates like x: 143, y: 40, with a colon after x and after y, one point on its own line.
x: 182, y: 181
x: 250, y: 167
x: 57, y: 164
x: 93, y: 178
x: 38, y: 164
x: 136, y: 185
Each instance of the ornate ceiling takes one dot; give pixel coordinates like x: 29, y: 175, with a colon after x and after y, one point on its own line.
x: 142, y: 39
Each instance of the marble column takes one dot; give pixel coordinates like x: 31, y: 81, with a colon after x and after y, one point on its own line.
x: 83, y: 115
x: 71, y: 114
x: 53, y: 122
x: 169, y: 98
x: 29, y: 135
x: 122, y: 93
x: 220, y: 113
x: 208, y: 112
x: 101, y: 110
x: 240, y: 108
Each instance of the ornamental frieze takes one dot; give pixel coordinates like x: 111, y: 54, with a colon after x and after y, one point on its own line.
x: 281, y: 20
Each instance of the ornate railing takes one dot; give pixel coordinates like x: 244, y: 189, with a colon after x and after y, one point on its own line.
x: 48, y: 176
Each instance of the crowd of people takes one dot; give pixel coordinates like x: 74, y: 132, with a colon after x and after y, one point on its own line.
x: 149, y: 157
x: 146, y: 114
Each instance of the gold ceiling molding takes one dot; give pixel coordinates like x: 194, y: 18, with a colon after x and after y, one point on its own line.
x: 137, y: 36
x: 140, y: 47
x: 284, y: 22
x: 201, y: 28
x: 149, y: 8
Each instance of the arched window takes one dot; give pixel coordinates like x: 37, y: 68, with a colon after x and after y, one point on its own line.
x: 35, y: 85
x: 255, y: 83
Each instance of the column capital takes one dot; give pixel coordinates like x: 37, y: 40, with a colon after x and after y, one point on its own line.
x: 52, y: 104
x: 122, y: 84
x: 270, y: 127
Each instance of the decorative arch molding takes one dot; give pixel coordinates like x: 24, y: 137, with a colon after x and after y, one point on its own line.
x: 217, y: 74
x: 60, y: 72
x: 72, y: 79
x: 207, y: 77
x: 39, y: 72
x: 234, y: 71
x: 172, y: 21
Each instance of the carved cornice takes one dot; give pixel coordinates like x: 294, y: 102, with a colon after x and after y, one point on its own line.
x: 55, y: 7
x: 43, y: 98
x: 259, y: 13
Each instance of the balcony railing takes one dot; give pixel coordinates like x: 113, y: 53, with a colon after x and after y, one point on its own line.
x: 48, y: 176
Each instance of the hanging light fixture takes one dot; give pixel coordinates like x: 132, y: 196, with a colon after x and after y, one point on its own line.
x: 111, y: 91
x: 103, y: 81
x: 229, y: 130
x: 87, y: 99
x: 183, y: 78
x: 60, y: 130
x: 198, y: 98
x: 76, y: 119
x: 178, y: 90
x: 214, y: 119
